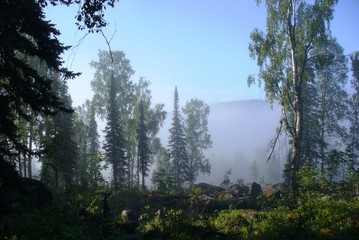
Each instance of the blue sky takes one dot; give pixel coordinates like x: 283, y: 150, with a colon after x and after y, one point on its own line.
x: 199, y: 46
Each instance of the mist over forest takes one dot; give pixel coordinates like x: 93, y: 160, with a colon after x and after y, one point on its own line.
x: 240, y: 133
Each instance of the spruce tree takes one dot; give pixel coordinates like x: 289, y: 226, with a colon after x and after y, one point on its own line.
x: 66, y: 150
x: 114, y: 140
x: 113, y: 69
x: 24, y: 35
x: 143, y: 148
x: 177, y: 145
x: 61, y: 150
x: 331, y: 81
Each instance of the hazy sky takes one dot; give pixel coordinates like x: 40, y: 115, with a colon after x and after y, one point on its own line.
x: 200, y: 46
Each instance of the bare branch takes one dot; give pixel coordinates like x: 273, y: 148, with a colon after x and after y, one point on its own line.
x: 274, y: 140
x: 75, y: 48
x: 108, y: 42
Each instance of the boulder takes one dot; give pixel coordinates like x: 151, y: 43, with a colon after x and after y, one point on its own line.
x: 255, y: 189
x: 206, y: 200
x: 239, y: 190
x: 225, y: 196
x: 201, y: 204
x: 270, y: 193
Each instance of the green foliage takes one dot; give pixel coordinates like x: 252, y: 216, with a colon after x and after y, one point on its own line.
x: 163, y: 180
x: 337, y: 164
x: 237, y: 223
x: 286, y: 55
x: 79, y: 215
x: 114, y: 137
x: 308, y: 178
x: 90, y: 14
x: 197, y: 137
x: 317, y: 218
x: 162, y: 176
x: 176, y: 224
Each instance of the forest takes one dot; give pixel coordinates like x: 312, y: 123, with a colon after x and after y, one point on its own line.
x: 64, y: 177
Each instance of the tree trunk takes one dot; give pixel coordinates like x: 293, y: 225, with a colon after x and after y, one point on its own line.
x: 20, y: 163
x: 143, y: 181
x: 138, y: 171
x: 56, y: 176
x: 30, y: 148
x: 296, y: 157
x: 115, y: 178
x: 24, y: 156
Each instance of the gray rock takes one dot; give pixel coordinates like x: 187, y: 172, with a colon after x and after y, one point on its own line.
x: 270, y: 193
x: 225, y: 197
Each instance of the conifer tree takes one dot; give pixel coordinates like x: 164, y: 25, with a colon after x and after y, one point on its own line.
x: 66, y: 151
x: 153, y: 115
x: 143, y: 148
x: 114, y: 140
x: 87, y: 138
x: 113, y: 69
x: 61, y: 150
x: 325, y: 104
x: 177, y: 145
x: 331, y: 81
x: 24, y: 35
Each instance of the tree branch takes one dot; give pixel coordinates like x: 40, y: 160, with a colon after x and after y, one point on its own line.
x: 274, y: 141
